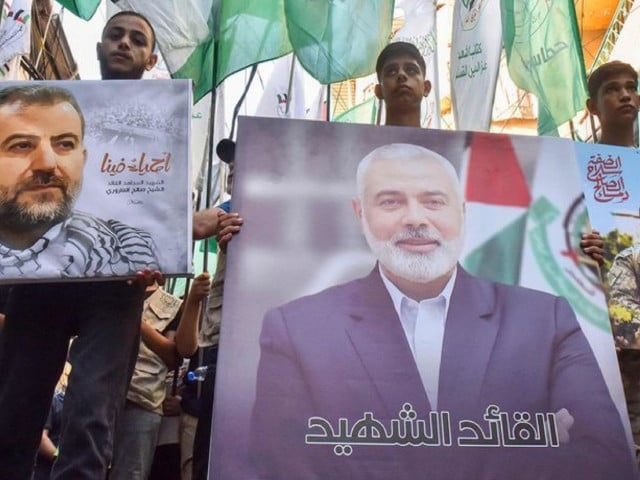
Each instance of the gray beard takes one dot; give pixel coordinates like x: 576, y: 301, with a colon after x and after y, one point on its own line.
x: 22, y: 218
x: 414, y: 266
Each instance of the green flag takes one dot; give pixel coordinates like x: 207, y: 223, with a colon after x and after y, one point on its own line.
x: 251, y: 31
x: 544, y: 56
x: 364, y: 112
x: 82, y: 8
x: 184, y: 37
x: 338, y: 40
x: 334, y: 40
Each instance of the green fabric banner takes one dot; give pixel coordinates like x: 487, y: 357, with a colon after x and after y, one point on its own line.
x: 544, y: 56
x: 338, y: 40
x: 84, y: 9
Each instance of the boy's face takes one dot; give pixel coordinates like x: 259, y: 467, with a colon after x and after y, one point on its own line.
x: 617, y: 100
x: 126, y: 49
x: 402, y: 83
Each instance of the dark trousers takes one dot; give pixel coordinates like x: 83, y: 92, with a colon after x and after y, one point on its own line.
x: 202, y: 439
x: 40, y: 320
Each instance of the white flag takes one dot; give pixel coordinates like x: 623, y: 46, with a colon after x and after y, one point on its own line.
x: 15, y: 30
x: 551, y: 258
x: 183, y: 37
x: 475, y: 59
x: 420, y: 29
x: 283, y: 94
x: 317, y: 109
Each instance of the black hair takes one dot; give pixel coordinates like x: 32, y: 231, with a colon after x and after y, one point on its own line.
x: 395, y: 49
x: 131, y: 13
x: 606, y: 71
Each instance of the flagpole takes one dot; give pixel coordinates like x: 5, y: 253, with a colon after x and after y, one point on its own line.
x: 44, y: 39
x: 236, y: 109
x: 212, y: 120
x: 436, y: 80
x: 572, y: 128
x: 328, y: 102
x: 593, y: 128
x: 290, y: 86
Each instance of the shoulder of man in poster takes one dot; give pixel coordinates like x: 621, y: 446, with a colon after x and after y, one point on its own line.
x: 226, y: 150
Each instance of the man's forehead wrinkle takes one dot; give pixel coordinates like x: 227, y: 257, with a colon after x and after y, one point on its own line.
x: 430, y: 192
x: 136, y: 27
x: 388, y: 191
x: 16, y: 107
x: 121, y: 29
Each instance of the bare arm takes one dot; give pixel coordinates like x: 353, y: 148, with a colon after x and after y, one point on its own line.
x: 187, y: 333
x: 162, y: 345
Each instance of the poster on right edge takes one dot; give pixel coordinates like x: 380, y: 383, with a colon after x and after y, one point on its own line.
x: 612, y: 193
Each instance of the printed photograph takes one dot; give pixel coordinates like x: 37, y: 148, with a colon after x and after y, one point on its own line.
x: 93, y: 183
x: 403, y: 300
x: 612, y: 194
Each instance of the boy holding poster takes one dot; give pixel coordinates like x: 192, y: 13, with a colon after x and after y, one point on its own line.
x: 40, y: 319
x: 613, y: 98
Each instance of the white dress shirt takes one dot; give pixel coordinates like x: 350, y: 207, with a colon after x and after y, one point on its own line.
x: 423, y: 324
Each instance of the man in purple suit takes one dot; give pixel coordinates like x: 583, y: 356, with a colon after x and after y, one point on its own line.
x: 348, y: 377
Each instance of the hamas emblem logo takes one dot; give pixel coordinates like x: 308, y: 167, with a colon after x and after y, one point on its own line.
x: 560, y: 262
x: 470, y: 11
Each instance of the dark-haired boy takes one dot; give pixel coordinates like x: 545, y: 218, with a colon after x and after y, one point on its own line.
x: 105, y: 316
x: 402, y: 83
x: 613, y: 98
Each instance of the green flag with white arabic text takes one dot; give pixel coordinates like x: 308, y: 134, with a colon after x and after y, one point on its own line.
x: 544, y: 55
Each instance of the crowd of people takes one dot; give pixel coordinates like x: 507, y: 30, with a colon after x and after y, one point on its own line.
x: 125, y: 336
x: 129, y: 336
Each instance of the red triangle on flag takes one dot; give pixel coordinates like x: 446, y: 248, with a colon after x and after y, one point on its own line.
x: 494, y: 175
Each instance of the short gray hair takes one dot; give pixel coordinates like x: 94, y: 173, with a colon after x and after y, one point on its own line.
x: 399, y: 151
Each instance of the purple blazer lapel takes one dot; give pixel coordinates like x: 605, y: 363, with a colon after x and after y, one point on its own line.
x: 379, y: 341
x: 469, y: 339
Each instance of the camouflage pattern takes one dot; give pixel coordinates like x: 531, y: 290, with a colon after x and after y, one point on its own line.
x: 623, y: 291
